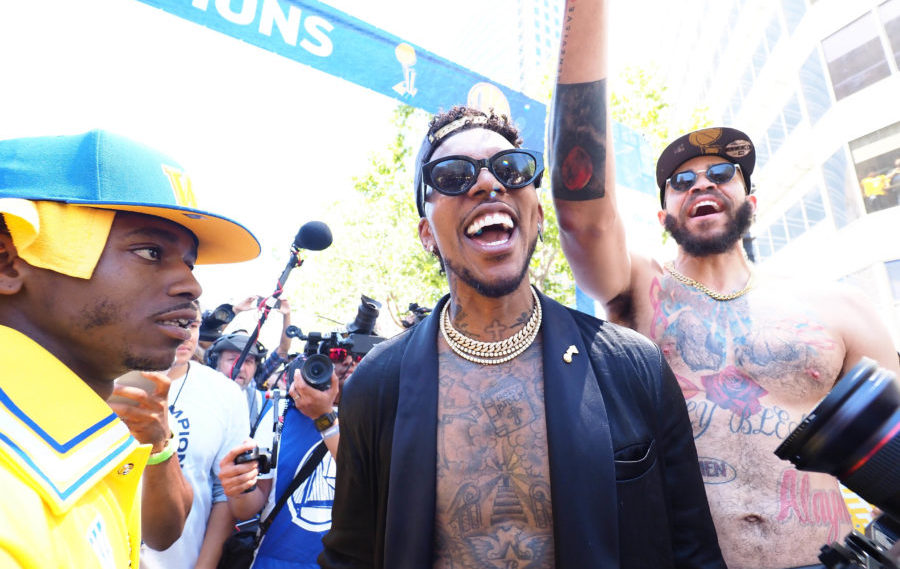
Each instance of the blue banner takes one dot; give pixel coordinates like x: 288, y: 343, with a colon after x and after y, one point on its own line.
x: 319, y: 36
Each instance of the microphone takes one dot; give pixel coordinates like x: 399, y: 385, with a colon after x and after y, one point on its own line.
x: 314, y: 236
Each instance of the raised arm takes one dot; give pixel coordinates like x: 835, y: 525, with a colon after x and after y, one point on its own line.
x: 581, y: 156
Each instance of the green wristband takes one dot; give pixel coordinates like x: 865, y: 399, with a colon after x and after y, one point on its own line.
x: 165, y: 454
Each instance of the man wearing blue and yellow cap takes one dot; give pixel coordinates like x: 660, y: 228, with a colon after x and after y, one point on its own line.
x: 98, y: 240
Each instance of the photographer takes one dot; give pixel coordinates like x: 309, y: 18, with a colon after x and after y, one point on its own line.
x: 295, y: 534
x: 224, y: 352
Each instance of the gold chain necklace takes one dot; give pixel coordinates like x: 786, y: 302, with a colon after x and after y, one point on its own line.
x: 492, y: 353
x: 708, y: 291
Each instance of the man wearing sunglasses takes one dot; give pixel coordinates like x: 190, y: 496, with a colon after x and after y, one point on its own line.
x: 753, y: 354
x: 505, y: 429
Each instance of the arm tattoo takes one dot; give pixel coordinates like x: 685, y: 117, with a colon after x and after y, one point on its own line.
x: 564, y: 40
x: 578, y: 141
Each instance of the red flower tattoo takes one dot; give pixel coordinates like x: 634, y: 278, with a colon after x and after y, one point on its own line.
x: 733, y: 389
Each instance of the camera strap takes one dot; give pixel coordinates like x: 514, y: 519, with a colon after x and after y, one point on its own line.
x: 259, y: 417
x: 314, y: 460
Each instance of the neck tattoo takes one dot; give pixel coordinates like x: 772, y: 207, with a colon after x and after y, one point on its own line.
x: 492, y: 353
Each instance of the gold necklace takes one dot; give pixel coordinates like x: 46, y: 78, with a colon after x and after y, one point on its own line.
x: 708, y: 291
x: 492, y: 353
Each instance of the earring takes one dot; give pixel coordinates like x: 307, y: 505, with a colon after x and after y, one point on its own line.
x: 541, y: 232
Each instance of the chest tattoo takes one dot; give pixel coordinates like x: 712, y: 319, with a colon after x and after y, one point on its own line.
x: 493, y: 476
x: 732, y: 355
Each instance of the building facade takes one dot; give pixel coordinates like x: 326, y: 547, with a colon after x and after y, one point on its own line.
x: 815, y: 83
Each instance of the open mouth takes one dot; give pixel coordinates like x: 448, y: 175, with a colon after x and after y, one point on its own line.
x: 177, y: 322
x: 705, y: 207
x: 491, y: 228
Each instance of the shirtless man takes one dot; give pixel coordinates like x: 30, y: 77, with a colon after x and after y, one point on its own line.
x: 752, y: 354
x: 506, y: 430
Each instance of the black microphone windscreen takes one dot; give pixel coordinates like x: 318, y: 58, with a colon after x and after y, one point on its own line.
x: 313, y: 236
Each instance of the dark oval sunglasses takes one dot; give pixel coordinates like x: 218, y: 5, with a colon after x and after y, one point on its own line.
x: 455, y: 175
x: 717, y: 174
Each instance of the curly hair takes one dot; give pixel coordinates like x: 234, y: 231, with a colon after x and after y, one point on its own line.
x: 496, y: 122
x: 489, y: 120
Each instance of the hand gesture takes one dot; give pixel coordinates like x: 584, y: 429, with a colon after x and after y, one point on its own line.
x: 145, y: 413
x: 248, y: 303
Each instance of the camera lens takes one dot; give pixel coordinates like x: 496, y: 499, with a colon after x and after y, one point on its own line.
x: 316, y: 371
x: 854, y: 434
x: 366, y: 315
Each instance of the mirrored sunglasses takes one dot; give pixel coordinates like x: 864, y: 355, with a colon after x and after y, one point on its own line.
x: 717, y: 174
x: 455, y: 175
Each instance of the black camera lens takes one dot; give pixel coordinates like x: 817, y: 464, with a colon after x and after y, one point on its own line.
x: 366, y: 315
x: 854, y: 434
x: 316, y: 371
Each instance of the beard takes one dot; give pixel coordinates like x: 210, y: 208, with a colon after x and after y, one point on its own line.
x: 493, y: 289
x: 716, y: 244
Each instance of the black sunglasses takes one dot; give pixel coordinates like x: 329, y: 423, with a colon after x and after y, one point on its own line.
x: 717, y: 174
x: 455, y: 175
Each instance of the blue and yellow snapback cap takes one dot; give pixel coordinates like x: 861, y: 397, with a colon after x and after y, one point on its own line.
x: 103, y: 170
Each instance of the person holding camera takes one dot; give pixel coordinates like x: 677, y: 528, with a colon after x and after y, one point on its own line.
x: 303, y: 481
x: 753, y: 353
x: 98, y: 239
x: 209, y: 414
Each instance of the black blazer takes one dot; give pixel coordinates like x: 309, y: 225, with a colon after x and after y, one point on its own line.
x: 626, y: 487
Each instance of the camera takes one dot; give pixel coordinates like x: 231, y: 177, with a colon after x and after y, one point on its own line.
x: 316, y: 370
x: 263, y: 459
x: 212, y: 322
x: 854, y: 435
x: 322, y: 351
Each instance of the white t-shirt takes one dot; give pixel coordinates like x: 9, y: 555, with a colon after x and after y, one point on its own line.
x: 211, y: 418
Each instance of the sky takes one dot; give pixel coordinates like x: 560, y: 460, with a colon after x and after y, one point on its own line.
x: 267, y: 141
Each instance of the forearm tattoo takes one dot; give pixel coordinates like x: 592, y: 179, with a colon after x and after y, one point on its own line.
x: 578, y: 141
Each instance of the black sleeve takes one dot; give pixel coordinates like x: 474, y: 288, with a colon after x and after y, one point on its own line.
x: 350, y: 542
x: 366, y: 417
x: 694, y: 540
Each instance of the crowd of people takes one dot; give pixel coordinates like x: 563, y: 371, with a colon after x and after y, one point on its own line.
x: 500, y: 429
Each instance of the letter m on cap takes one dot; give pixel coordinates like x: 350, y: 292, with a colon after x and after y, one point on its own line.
x: 181, y: 186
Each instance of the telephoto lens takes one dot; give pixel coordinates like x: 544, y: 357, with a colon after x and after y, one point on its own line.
x: 366, y: 314
x: 854, y: 434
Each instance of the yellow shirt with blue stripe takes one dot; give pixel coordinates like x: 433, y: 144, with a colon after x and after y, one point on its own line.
x: 69, y: 468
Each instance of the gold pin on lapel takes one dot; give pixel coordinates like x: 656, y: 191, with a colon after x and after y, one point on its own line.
x: 571, y: 351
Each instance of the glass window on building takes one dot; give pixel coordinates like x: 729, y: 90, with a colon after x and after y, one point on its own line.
x: 893, y: 271
x: 779, y: 235
x: 773, y: 33
x: 762, y: 244
x: 814, y: 206
x: 814, y: 87
x: 795, y: 221
x: 759, y: 58
x: 793, y: 13
x: 762, y: 151
x: 844, y: 208
x: 776, y: 134
x: 791, y: 113
x: 890, y: 19
x: 855, y: 56
x: 747, y: 81
x: 876, y: 158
